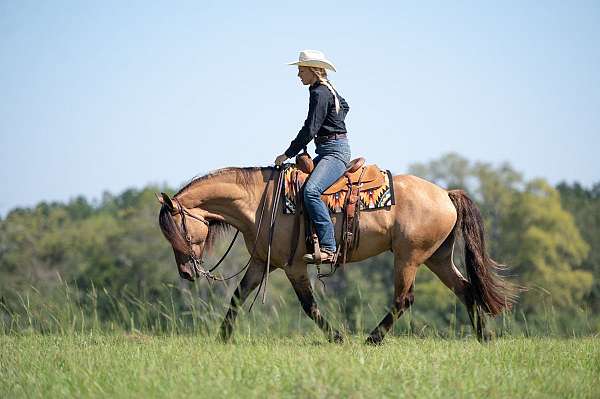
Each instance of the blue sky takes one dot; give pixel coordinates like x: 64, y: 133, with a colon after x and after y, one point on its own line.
x: 104, y: 96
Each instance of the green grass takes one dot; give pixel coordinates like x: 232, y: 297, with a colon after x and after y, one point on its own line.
x: 137, y: 365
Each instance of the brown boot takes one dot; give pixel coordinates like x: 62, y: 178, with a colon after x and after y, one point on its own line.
x: 325, y: 257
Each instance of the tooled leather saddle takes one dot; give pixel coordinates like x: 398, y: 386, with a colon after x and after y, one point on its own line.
x: 357, y: 177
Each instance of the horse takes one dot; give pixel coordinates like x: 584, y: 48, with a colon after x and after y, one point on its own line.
x: 422, y: 227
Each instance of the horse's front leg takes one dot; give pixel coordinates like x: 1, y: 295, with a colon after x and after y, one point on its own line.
x: 298, y: 277
x: 249, y: 282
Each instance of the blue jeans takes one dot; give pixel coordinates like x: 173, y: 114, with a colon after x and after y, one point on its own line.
x: 330, y: 164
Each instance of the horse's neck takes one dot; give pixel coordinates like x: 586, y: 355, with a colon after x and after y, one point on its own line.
x: 224, y: 197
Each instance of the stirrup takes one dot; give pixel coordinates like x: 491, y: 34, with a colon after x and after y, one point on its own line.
x: 325, y: 257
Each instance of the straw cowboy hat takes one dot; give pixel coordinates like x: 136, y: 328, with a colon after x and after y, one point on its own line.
x: 313, y: 58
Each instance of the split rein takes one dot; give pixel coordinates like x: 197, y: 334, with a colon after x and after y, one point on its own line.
x: 199, y: 271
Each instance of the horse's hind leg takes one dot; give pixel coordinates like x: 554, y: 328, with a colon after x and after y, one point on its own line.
x: 442, y: 265
x: 405, y: 270
x: 298, y: 277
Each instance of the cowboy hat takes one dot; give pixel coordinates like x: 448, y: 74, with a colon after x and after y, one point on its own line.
x: 313, y: 58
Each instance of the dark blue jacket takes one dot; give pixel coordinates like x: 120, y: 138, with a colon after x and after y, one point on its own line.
x: 322, y: 119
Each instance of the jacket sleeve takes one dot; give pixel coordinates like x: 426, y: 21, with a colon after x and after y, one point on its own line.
x: 344, y: 105
x: 317, y: 111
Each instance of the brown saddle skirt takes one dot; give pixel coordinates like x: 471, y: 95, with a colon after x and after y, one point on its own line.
x: 370, y: 176
x: 376, y: 187
x: 361, y: 187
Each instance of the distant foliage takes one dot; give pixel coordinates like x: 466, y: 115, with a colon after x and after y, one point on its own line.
x: 528, y: 229
x: 584, y: 205
x: 107, y: 262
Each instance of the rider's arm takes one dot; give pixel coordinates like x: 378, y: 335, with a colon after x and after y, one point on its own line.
x: 317, y: 111
x: 344, y: 105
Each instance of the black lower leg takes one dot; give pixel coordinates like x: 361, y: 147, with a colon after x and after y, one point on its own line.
x: 229, y: 320
x: 249, y: 282
x: 483, y: 334
x: 311, y: 309
x: 477, y: 317
x: 398, y: 308
x: 309, y: 305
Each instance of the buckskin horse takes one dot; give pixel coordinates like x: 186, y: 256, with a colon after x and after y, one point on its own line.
x: 421, y: 228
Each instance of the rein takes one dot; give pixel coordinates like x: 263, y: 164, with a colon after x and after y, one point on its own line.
x: 276, y: 196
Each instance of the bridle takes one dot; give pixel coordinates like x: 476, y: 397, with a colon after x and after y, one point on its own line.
x: 199, y: 271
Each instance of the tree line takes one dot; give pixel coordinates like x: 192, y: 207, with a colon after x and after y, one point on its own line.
x: 549, y: 236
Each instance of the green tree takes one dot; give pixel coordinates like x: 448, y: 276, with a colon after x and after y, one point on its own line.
x: 546, y: 248
x: 584, y: 204
x: 527, y: 228
x: 115, y: 243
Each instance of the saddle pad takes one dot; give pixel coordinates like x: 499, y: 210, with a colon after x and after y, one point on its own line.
x: 370, y: 198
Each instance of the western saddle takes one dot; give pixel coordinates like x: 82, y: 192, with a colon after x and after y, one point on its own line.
x: 356, y: 178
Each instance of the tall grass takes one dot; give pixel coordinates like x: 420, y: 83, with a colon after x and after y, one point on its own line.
x: 200, y: 309
x: 66, y: 310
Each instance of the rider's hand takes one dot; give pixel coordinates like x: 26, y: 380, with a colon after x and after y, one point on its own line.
x: 280, y: 159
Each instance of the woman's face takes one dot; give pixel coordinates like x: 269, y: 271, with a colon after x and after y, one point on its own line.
x: 306, y: 75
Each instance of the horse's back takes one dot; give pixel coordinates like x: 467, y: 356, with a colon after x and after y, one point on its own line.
x: 423, y: 210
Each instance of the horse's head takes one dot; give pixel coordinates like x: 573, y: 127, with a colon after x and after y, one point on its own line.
x: 188, y: 233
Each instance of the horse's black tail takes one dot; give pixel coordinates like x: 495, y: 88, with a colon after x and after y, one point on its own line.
x: 490, y: 291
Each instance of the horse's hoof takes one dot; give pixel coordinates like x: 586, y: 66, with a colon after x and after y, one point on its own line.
x: 487, y: 336
x: 374, y: 340
x: 336, y: 338
x: 225, y: 337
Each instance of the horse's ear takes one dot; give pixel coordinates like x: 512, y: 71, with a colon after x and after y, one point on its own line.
x: 159, y: 198
x: 167, y: 201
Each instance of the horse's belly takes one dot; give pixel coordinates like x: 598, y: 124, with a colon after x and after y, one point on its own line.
x: 375, y: 236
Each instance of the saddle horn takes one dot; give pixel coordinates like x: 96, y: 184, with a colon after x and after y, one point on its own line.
x: 304, y: 162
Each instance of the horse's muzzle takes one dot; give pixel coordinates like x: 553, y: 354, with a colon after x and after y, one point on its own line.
x: 186, y: 271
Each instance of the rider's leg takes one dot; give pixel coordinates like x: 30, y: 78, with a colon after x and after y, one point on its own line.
x: 326, y: 172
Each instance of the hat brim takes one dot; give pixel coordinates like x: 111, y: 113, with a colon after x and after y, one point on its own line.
x: 314, y: 63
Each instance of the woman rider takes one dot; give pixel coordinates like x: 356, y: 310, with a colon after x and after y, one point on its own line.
x: 325, y: 123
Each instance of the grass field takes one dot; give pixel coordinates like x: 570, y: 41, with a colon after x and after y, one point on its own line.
x: 136, y: 365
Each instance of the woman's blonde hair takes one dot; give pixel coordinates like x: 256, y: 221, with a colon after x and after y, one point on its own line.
x: 321, y: 75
